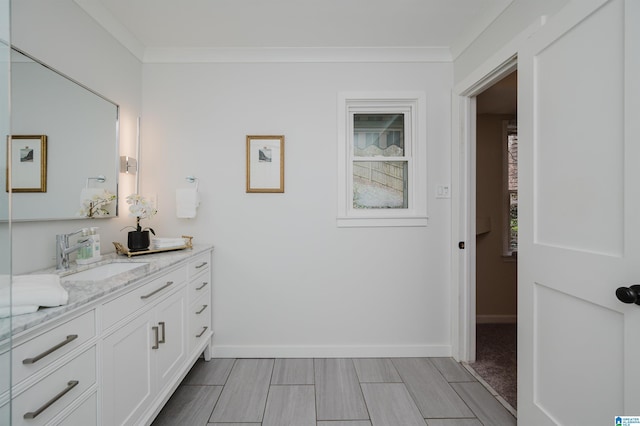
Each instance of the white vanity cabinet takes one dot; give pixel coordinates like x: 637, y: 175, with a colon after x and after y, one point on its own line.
x: 117, y: 359
x: 146, y: 351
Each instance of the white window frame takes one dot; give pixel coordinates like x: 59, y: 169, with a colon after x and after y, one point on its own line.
x: 507, y: 252
x: 413, y: 105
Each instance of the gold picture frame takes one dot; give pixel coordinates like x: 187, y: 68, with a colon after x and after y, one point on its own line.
x: 27, y: 155
x: 265, y: 163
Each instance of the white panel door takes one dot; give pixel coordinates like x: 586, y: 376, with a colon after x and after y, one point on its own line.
x: 579, y: 160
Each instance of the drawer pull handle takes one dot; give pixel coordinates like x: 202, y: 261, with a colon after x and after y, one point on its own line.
x: 146, y: 296
x: 204, y: 284
x: 202, y: 332
x: 202, y: 310
x: 33, y: 414
x: 155, y: 334
x: 162, y: 339
x: 201, y: 265
x: 70, y: 338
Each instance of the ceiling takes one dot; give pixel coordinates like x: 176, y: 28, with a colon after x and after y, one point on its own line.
x: 187, y: 24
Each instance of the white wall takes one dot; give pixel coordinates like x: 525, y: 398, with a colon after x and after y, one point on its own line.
x: 61, y: 35
x: 287, y: 281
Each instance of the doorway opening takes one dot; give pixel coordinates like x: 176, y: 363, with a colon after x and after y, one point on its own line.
x: 496, y: 196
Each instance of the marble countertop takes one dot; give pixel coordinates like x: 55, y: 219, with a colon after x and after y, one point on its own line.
x: 84, y: 292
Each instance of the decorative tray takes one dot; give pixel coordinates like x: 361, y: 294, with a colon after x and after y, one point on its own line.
x: 120, y: 249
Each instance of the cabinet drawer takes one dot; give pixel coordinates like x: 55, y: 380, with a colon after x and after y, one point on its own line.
x: 199, y: 321
x: 199, y: 287
x: 123, y: 306
x: 199, y: 264
x: 35, y: 354
x: 44, y: 400
x: 86, y: 414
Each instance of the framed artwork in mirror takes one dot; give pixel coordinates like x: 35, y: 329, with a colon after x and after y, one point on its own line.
x: 265, y: 163
x: 27, y: 157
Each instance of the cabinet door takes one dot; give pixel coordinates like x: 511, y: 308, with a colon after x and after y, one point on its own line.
x: 128, y: 382
x: 170, y: 320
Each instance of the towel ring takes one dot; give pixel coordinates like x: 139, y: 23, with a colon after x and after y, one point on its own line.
x: 192, y: 179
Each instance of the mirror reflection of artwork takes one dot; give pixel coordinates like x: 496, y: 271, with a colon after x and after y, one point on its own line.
x: 264, y: 155
x: 28, y: 163
x: 26, y: 155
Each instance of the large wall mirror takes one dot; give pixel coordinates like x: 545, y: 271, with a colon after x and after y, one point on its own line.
x: 5, y: 240
x: 64, y: 146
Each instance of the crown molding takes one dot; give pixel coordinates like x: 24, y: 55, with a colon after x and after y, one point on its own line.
x: 297, y: 54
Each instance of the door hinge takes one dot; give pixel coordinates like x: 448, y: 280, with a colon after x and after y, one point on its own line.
x: 461, y: 245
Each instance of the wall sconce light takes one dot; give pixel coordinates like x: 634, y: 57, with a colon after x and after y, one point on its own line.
x: 128, y: 165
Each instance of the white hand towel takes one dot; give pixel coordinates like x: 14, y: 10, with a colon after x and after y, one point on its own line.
x: 38, y: 290
x: 163, y: 243
x: 17, y: 310
x: 187, y: 201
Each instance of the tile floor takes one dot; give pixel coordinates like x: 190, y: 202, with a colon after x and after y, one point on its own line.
x: 332, y: 392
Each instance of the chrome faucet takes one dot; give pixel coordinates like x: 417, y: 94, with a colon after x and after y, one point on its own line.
x: 63, y: 250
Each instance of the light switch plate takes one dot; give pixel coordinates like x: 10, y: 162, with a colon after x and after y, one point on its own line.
x: 443, y: 191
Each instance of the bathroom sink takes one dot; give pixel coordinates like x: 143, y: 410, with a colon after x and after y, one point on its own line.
x: 103, y: 272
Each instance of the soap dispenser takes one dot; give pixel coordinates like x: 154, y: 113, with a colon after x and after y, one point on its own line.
x: 95, y: 238
x: 85, y: 254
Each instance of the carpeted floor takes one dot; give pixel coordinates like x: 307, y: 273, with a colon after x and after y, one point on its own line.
x: 496, y: 358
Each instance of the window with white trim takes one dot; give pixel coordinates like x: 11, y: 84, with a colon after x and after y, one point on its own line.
x: 510, y: 150
x: 382, y: 159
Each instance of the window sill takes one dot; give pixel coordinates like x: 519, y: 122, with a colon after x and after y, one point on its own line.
x: 361, y: 222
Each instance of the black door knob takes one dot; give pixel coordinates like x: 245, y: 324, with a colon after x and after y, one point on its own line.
x: 629, y: 294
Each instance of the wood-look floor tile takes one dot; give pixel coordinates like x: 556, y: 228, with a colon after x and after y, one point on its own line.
x: 189, y: 405
x: 391, y: 405
x: 233, y: 424
x: 214, y: 372
x: 431, y: 392
x: 488, y: 410
x: 293, y: 372
x: 453, y: 422
x: 346, y: 423
x: 245, y: 394
x: 452, y: 370
x: 290, y: 405
x: 376, y: 370
x: 338, y: 393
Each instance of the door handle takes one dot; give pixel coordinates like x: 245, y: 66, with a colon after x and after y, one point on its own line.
x: 629, y: 294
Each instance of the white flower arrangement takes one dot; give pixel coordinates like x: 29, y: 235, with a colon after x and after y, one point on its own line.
x: 140, y: 208
x: 96, y: 206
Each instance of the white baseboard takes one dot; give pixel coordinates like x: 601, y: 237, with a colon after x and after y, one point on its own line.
x: 496, y: 319
x: 235, y: 351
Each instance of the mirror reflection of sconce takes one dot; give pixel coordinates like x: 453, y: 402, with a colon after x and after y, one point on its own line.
x: 128, y: 165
